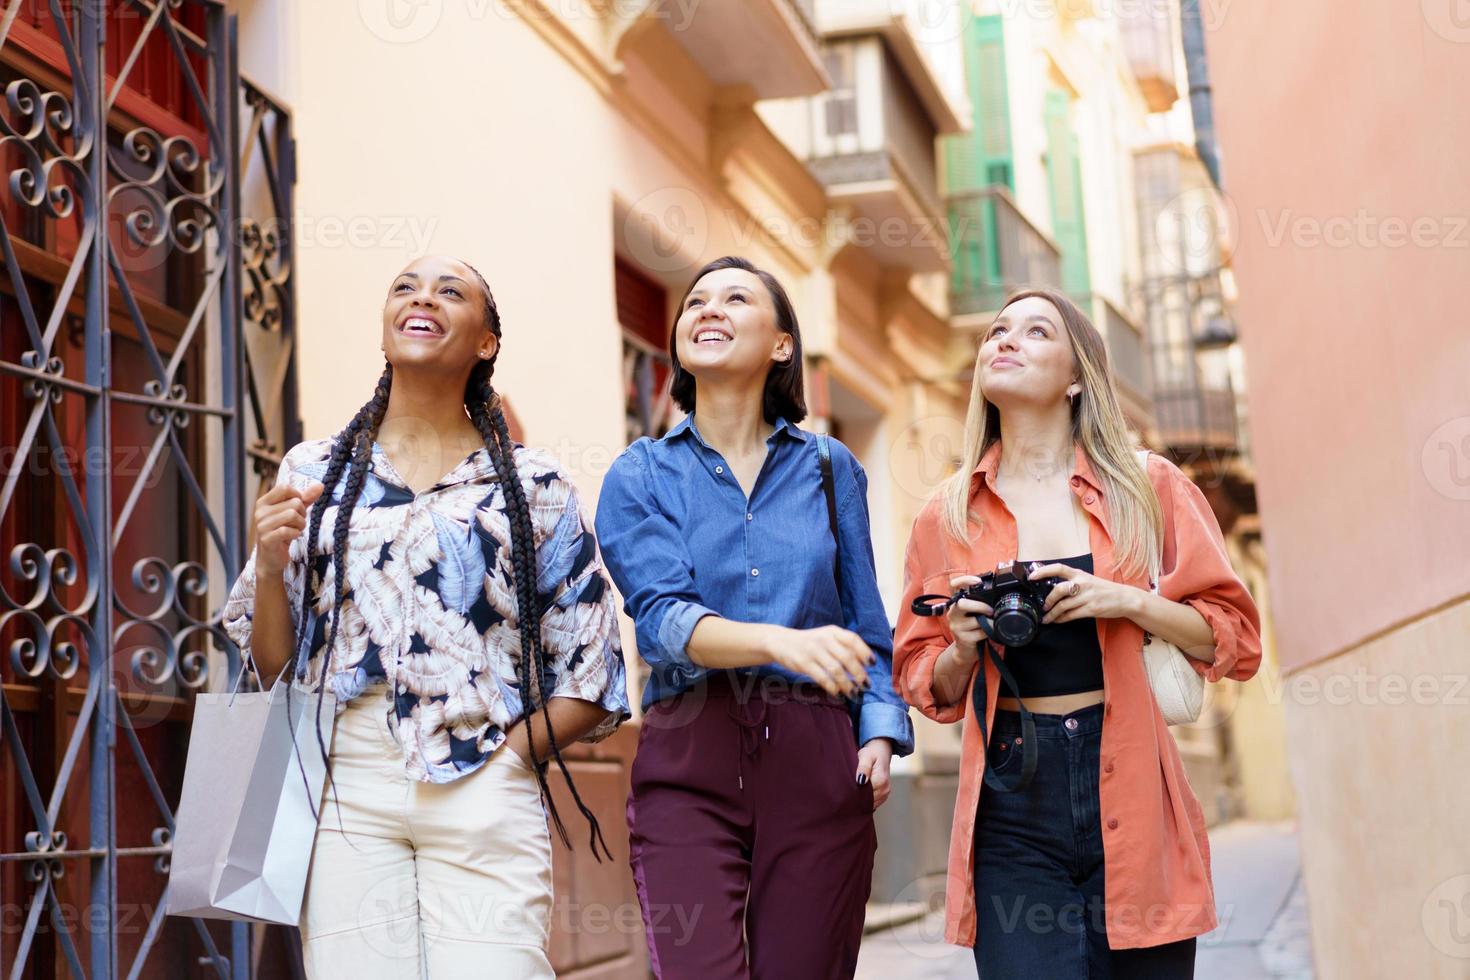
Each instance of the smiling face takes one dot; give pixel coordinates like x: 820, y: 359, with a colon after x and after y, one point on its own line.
x: 1026, y: 356
x: 435, y: 317
x: 728, y: 329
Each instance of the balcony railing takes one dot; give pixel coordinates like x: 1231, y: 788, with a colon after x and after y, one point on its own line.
x: 997, y: 250
x: 1127, y: 351
x: 1196, y: 419
x: 871, y: 144
x: 1147, y: 33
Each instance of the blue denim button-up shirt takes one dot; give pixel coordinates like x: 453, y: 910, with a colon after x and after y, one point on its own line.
x: 683, y: 542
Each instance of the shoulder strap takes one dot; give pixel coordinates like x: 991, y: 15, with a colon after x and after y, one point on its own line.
x: 1153, y: 582
x: 829, y: 490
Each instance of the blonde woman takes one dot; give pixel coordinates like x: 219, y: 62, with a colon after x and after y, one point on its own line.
x: 1078, y: 848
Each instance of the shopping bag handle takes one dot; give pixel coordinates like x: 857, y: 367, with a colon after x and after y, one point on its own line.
x: 247, y: 662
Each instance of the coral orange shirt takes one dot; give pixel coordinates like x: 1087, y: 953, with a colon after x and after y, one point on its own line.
x: 1156, y: 853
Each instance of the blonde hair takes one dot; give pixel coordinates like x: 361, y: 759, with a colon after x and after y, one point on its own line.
x: 1136, y: 519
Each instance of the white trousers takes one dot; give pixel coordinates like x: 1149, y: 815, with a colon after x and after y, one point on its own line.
x: 412, y: 880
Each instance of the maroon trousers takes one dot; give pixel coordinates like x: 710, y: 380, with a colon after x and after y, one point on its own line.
x: 752, y: 841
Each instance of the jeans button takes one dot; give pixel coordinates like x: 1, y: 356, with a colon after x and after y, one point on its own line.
x: 1071, y: 724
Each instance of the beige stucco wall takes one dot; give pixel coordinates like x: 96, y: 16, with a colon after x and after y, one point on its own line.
x: 426, y: 146
x: 1375, y: 739
x: 1256, y: 710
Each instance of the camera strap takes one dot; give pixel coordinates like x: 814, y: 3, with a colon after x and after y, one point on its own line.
x: 1028, y: 726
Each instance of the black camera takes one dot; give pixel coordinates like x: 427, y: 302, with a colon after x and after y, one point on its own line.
x: 1018, y: 601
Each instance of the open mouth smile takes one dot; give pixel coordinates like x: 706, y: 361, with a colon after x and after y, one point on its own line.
x: 712, y: 335
x: 421, y: 326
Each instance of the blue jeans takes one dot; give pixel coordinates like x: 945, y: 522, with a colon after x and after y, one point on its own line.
x: 1039, y: 865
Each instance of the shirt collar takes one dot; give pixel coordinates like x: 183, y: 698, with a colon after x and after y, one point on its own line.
x: 785, y: 428
x: 476, y: 466
x: 990, y: 464
x: 687, y: 427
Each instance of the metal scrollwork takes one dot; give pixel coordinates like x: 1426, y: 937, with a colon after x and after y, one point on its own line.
x: 112, y: 203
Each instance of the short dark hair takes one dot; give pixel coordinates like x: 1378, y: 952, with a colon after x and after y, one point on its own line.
x: 785, y: 391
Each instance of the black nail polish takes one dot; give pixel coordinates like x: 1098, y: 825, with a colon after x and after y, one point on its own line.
x: 862, y: 779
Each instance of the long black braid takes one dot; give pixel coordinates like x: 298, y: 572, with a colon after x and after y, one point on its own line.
x: 353, y: 445
x: 486, y: 413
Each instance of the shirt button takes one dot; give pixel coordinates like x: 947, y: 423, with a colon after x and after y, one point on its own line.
x: 1089, y: 499
x: 1113, y: 824
x: 1108, y: 708
x: 719, y: 469
x: 1076, y: 481
x: 750, y: 517
x: 1108, y: 767
x: 756, y: 572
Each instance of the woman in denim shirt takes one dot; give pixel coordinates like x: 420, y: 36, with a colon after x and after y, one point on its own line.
x: 771, y: 715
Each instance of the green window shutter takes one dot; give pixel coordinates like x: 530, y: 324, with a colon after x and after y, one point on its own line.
x: 1064, y: 174
x: 982, y: 156
x: 978, y: 159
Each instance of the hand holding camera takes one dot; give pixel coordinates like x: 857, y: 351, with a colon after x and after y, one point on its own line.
x: 1006, y: 605
x: 1011, y: 604
x: 964, y: 615
x: 1079, y: 595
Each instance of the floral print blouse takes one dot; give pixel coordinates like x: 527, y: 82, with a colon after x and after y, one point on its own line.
x: 431, y: 604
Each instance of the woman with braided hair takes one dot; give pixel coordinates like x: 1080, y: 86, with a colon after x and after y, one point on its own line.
x: 449, y: 591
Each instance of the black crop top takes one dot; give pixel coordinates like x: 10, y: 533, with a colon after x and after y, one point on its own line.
x: 1064, y: 658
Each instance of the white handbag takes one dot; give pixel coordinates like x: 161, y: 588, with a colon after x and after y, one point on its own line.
x: 1178, y: 688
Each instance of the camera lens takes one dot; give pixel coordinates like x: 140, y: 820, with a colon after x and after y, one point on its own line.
x: 1016, y: 619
